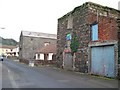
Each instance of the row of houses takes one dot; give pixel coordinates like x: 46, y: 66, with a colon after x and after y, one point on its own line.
x: 8, y: 50
x: 97, y: 29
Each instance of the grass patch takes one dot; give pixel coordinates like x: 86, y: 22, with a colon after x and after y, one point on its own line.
x: 103, y: 77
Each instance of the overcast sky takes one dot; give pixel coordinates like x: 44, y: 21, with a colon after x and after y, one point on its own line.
x: 37, y: 15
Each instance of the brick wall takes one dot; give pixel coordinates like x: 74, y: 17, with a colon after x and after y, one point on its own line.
x: 107, y: 26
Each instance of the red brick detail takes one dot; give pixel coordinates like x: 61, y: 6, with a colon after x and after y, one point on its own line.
x: 107, y: 27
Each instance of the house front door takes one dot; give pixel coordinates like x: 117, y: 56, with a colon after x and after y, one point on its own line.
x: 68, y: 61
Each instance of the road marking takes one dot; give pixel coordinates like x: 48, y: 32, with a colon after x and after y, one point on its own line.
x: 14, y: 85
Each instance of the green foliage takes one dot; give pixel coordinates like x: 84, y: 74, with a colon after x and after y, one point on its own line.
x: 8, y: 41
x: 74, y: 43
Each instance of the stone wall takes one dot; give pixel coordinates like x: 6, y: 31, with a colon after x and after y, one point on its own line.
x: 119, y: 48
x: 30, y: 44
x: 82, y: 19
x: 79, y: 19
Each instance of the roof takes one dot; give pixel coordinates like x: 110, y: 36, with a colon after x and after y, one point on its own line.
x: 47, y: 49
x: 39, y: 34
x: 8, y: 46
x: 92, y: 5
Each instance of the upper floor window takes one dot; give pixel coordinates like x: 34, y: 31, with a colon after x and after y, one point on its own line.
x: 31, y: 39
x: 94, y: 32
x: 20, y: 48
x: 70, y: 22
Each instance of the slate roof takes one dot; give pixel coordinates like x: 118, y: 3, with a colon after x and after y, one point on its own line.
x: 39, y: 34
x: 8, y: 46
x: 47, y: 49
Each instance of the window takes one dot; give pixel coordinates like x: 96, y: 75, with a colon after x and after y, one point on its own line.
x: 31, y: 39
x: 41, y: 56
x: 20, y: 48
x: 94, y: 32
x: 46, y: 43
x: 38, y: 56
x: 50, y: 56
x: 70, y: 22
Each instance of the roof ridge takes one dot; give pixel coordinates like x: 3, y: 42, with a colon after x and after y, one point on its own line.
x: 38, y: 32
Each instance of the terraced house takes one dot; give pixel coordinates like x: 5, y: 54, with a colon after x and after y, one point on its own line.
x: 9, y: 50
x: 97, y: 29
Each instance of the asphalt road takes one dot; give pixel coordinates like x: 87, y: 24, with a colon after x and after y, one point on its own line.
x: 18, y: 75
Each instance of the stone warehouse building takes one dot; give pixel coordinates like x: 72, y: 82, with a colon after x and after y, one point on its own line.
x: 96, y: 28
x: 30, y: 41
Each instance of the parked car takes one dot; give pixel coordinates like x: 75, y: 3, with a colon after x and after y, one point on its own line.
x: 1, y: 58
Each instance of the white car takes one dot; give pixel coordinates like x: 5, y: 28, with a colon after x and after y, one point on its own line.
x: 1, y: 58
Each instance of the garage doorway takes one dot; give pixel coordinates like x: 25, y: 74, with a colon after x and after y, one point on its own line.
x: 103, y: 61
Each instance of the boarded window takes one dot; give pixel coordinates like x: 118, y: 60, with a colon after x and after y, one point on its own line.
x: 31, y: 39
x: 95, y: 32
x: 70, y: 22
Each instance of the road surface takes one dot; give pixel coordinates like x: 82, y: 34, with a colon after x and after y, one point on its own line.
x: 18, y: 75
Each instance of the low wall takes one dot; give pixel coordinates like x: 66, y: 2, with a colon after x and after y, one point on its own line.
x: 24, y: 61
x: 44, y: 62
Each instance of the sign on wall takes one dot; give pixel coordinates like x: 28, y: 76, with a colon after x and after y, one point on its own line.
x: 68, y: 37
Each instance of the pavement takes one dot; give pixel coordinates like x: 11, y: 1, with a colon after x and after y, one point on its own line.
x: 17, y: 75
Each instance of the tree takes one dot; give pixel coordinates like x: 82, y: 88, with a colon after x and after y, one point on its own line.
x: 74, y: 46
